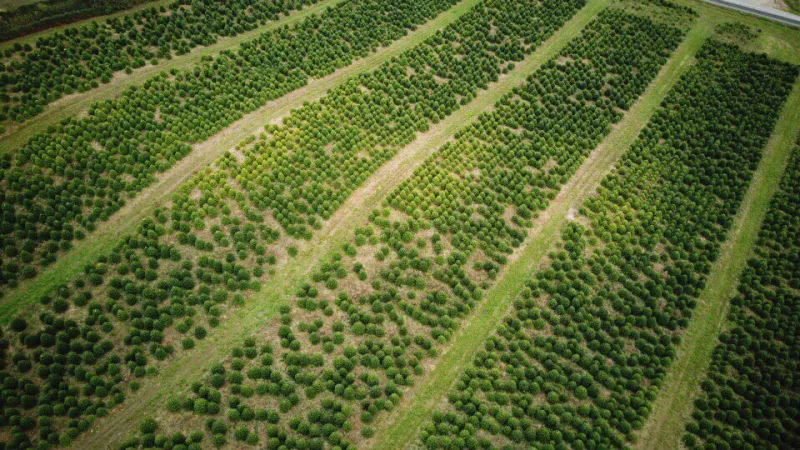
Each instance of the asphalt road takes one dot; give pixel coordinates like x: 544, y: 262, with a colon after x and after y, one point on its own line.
x: 768, y: 13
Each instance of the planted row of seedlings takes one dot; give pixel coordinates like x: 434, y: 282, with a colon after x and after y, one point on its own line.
x: 364, y: 327
x: 79, y: 59
x: 579, y: 359
x: 751, y: 392
x: 56, y: 188
x: 163, y: 288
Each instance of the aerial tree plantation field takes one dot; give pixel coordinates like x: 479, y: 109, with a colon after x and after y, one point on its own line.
x: 442, y: 224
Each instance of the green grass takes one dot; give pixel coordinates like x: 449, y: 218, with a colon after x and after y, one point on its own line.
x: 400, y: 428
x: 8, y: 5
x: 13, y: 4
x: 71, y: 106
x: 673, y: 407
x: 263, y: 306
x: 125, y: 221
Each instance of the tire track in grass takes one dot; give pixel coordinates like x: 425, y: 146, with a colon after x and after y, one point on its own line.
x: 125, y: 221
x: 673, y: 406
x: 176, y: 376
x: 74, y: 104
x: 400, y: 428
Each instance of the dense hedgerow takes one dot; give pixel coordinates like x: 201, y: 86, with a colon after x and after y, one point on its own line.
x: 62, y: 182
x: 163, y: 288
x: 580, y: 358
x: 751, y: 392
x: 360, y: 330
x: 25, y: 18
x: 78, y: 59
